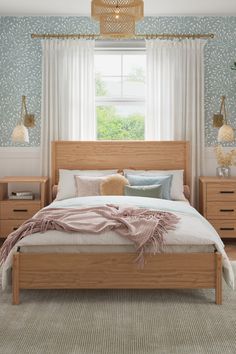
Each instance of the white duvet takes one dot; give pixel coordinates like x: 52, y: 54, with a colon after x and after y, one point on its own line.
x: 192, y: 229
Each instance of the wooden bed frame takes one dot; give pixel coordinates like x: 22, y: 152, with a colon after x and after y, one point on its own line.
x: 118, y: 270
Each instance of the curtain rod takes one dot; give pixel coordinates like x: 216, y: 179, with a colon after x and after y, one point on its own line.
x: 136, y: 36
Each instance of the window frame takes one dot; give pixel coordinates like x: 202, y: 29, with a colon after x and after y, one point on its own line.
x: 122, y: 48
x: 108, y: 100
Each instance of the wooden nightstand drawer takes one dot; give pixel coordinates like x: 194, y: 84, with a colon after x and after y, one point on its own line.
x: 8, y: 226
x: 219, y: 210
x: 225, y: 228
x: 217, y: 203
x: 13, y: 212
x: 221, y: 192
x: 18, y: 210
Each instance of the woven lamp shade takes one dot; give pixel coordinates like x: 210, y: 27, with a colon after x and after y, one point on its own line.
x: 20, y: 134
x: 226, y: 133
x: 117, y: 17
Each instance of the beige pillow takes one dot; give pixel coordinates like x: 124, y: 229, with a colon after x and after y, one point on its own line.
x: 67, y: 185
x: 88, y: 186
x: 113, y: 185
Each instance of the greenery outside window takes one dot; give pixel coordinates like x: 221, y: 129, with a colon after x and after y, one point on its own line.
x: 120, y: 94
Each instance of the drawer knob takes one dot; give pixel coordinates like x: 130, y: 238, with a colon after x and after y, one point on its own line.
x: 227, y: 228
x: 20, y: 210
x: 227, y: 210
x: 227, y: 192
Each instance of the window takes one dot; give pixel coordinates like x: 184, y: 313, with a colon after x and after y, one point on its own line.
x: 120, y: 94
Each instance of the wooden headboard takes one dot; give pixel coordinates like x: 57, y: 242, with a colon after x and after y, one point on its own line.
x: 98, y: 155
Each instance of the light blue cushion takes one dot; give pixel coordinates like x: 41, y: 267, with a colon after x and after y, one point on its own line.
x: 152, y: 191
x: 164, y: 180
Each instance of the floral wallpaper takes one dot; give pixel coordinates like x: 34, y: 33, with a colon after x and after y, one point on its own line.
x: 20, y: 63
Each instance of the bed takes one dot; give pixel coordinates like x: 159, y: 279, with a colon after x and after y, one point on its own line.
x: 109, y: 267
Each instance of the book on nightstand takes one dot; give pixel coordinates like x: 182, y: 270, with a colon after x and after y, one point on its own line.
x: 24, y: 195
x: 21, y: 197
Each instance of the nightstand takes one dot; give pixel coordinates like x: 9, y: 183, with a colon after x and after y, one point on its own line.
x: 14, y: 212
x: 218, y: 204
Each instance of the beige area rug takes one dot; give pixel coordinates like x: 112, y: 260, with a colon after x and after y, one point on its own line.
x: 118, y: 322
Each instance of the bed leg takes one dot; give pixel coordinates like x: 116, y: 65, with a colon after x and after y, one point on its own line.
x: 15, y: 279
x: 218, y: 288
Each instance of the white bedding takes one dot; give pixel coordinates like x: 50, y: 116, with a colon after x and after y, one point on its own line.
x: 192, y: 231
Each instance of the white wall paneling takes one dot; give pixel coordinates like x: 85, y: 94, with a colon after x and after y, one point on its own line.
x: 23, y: 161
x: 211, y: 163
x: 19, y: 161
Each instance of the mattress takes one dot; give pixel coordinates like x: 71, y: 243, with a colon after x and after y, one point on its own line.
x: 113, y: 249
x: 110, y: 242
x: 193, y: 233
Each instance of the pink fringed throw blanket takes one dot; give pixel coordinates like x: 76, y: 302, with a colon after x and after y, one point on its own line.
x: 142, y: 226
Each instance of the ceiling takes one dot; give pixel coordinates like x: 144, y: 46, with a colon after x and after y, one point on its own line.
x: 151, y: 7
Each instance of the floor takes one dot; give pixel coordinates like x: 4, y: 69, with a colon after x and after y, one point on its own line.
x: 118, y: 321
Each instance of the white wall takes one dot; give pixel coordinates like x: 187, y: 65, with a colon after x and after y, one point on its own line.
x: 19, y: 162
x: 25, y: 162
x: 211, y: 163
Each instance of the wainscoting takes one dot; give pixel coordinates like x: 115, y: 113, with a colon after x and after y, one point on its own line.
x: 24, y: 161
x: 20, y: 161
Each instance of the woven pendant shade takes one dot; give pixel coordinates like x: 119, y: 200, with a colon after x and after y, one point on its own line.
x: 117, y: 17
x: 109, y: 26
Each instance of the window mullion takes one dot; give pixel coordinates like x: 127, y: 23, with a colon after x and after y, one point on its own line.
x: 119, y: 99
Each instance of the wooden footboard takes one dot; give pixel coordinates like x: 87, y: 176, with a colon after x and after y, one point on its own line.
x: 116, y: 271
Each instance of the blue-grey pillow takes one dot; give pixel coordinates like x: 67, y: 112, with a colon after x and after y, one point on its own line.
x: 150, y: 191
x: 164, y: 181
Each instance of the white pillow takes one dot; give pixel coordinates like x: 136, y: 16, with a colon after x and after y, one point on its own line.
x: 67, y: 184
x: 177, y: 186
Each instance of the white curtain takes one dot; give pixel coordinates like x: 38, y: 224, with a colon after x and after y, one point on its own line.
x: 68, y: 94
x: 175, y: 97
